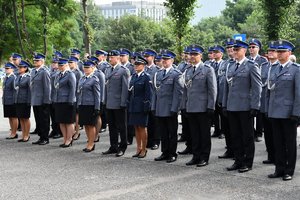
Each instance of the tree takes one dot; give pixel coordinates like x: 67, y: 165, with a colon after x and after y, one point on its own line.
x: 181, y: 13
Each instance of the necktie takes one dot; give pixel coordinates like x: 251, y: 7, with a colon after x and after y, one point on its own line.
x: 20, y: 79
x: 237, y: 66
x: 280, y: 68
x: 194, y: 69
x: 164, y: 74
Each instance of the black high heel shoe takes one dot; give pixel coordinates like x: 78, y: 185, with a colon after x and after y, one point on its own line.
x: 67, y: 145
x: 86, y: 150
x: 12, y: 137
x: 76, y: 137
x: 143, y: 156
x: 97, y: 139
x: 137, y: 154
x: 22, y: 140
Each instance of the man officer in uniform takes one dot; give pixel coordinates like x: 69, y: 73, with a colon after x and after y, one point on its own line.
x: 41, y: 98
x: 241, y: 100
x: 284, y: 110
x: 153, y: 132
x: 165, y: 105
x: 199, y: 79
x: 254, y: 47
x: 116, y: 77
x: 76, y: 53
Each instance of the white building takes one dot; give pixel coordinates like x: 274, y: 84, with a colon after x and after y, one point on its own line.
x: 153, y: 9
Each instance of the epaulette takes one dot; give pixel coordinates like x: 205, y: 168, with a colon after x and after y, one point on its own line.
x: 296, y: 65
x: 251, y: 61
x: 265, y: 63
x: 27, y: 74
x: 95, y: 77
x: 177, y: 70
x: 206, y: 65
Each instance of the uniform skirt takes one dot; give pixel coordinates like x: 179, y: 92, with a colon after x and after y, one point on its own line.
x: 86, y: 115
x: 138, y: 119
x: 23, y: 110
x: 9, y: 111
x: 64, y: 113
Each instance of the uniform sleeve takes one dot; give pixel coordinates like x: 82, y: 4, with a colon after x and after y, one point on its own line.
x: 153, y: 99
x: 72, y: 84
x: 148, y: 95
x: 256, y: 87
x: 212, y: 88
x: 96, y: 89
x: 28, y: 91
x: 177, y: 93
x: 102, y: 86
x: 124, y: 92
x: 46, y: 87
x: 296, y: 105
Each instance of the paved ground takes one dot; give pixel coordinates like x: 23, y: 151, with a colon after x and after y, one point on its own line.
x: 49, y: 172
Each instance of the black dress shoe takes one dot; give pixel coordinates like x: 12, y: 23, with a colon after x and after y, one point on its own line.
x: 268, y: 162
x: 102, y: 130
x: 129, y: 143
x: 233, y: 167
x: 154, y: 147
x: 258, y: 139
x: 109, y: 151
x: 215, y: 134
x: 221, y: 136
x: 243, y: 169
x: 181, y: 139
x: 120, y: 153
x: 12, y: 137
x: 44, y: 142
x: 275, y: 175
x: 172, y: 159
x: 37, y: 142
x: 226, y: 155
x: 192, y: 162
x: 202, y: 163
x: 56, y: 136
x: 51, y: 134
x: 184, y: 152
x: 287, y: 177
x: 161, y: 157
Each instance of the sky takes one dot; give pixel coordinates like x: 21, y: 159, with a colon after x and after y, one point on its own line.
x: 206, y: 8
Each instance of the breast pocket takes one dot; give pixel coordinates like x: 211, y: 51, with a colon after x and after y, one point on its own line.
x: 287, y: 81
x: 200, y: 77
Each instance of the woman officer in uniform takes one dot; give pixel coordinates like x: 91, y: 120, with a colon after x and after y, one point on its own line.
x: 23, y: 98
x: 64, y: 101
x: 9, y: 107
x: 139, y: 105
x: 89, y: 103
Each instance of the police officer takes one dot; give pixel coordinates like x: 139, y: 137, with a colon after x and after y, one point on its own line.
x: 268, y: 132
x: 218, y: 52
x: 124, y: 58
x: 199, y: 79
x: 151, y: 69
x: 124, y: 55
x: 100, y: 75
x: 89, y: 103
x: 9, y: 108
x: 133, y: 56
x: 56, y: 132
x: 73, y: 65
x: 186, y: 133
x: 16, y: 60
x: 64, y: 101
x: 158, y: 61
x: 116, y: 102
x: 221, y: 84
x: 22, y: 99
x: 210, y: 55
x: 284, y: 110
x: 76, y: 53
x: 140, y: 105
x: 41, y: 98
x: 103, y: 64
x: 241, y: 99
x: 165, y: 105
x: 254, y: 47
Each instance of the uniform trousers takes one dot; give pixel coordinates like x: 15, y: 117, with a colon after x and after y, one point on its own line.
x: 117, y: 121
x: 226, y: 131
x: 241, y: 127
x: 268, y: 133
x: 153, y: 131
x: 186, y: 131
x: 216, y: 119
x: 285, y: 145
x: 54, y: 125
x: 168, y: 126
x: 259, y: 125
x: 200, y: 133
x: 42, y: 120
